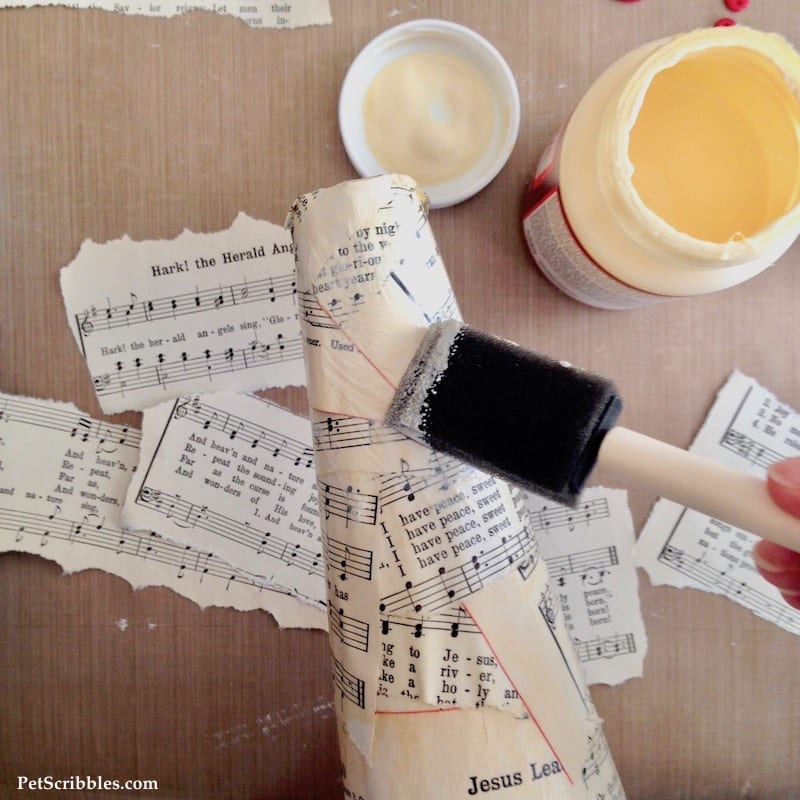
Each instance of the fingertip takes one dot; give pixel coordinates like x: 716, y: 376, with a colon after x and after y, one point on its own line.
x: 773, y: 558
x: 783, y: 484
x: 786, y: 472
x: 792, y: 599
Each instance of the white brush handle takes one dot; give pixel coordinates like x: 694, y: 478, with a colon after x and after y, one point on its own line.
x: 722, y: 492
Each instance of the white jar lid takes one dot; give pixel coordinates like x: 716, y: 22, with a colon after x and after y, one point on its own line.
x: 432, y: 35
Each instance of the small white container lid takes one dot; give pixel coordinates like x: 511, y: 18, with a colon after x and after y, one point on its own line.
x: 443, y: 36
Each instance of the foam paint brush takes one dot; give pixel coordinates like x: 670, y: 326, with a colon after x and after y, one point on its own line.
x: 544, y: 424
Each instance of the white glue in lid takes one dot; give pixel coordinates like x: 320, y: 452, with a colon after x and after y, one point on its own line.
x: 433, y: 100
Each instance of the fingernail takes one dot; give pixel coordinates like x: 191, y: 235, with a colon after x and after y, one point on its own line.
x: 792, y: 598
x: 767, y: 566
x: 774, y: 558
x: 786, y: 473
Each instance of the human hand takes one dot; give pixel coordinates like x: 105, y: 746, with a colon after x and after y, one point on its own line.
x: 777, y: 565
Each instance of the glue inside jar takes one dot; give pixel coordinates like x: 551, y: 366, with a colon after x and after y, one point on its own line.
x: 677, y: 174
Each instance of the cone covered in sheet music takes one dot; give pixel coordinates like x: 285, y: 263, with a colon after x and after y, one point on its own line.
x: 453, y: 670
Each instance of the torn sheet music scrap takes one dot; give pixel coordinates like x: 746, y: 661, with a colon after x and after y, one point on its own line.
x: 256, y: 15
x: 234, y: 473
x: 589, y: 553
x: 445, y: 635
x: 747, y: 428
x: 202, y: 312
x: 63, y: 477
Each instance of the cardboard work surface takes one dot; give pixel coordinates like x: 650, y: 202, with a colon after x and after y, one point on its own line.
x: 113, y: 125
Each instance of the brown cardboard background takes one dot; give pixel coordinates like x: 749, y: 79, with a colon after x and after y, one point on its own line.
x: 113, y: 125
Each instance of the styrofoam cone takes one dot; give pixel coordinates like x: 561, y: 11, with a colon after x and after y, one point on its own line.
x: 454, y: 672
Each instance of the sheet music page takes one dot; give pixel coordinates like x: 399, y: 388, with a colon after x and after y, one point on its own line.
x: 199, y: 313
x: 257, y: 15
x: 747, y: 428
x: 235, y: 473
x: 589, y: 554
x: 63, y: 478
x: 448, y: 647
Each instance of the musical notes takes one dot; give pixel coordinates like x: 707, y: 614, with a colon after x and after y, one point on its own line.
x: 257, y: 540
x: 447, y: 586
x: 447, y: 309
x: 63, y: 418
x: 548, y: 607
x: 349, y: 560
x: 67, y: 475
x: 350, y: 686
x: 756, y: 595
x: 583, y: 563
x: 749, y: 449
x: 337, y: 432
x: 433, y: 530
x: 201, y: 412
x: 761, y: 414
x: 412, y: 537
x: 147, y: 546
x: 349, y: 631
x: 334, y: 316
x: 234, y: 473
x: 407, y: 482
x: 596, y: 586
x: 348, y: 503
x: 152, y: 330
x: 452, y: 621
x: 550, y: 516
x: 606, y: 647
x: 92, y: 320
x: 345, y: 297
x: 186, y: 370
x: 597, y: 756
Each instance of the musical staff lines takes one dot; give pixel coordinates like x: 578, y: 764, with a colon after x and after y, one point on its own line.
x: 350, y: 631
x: 593, y: 581
x: 348, y: 504
x: 450, y: 586
x: 348, y: 560
x: 139, y: 374
x: 245, y: 432
x: 149, y: 546
x: 563, y: 517
x: 766, y: 419
x: 750, y: 428
x: 107, y: 437
x: 454, y: 621
x: 407, y: 195
x: 581, y: 563
x: 407, y: 483
x: 549, y: 608
x: 596, y: 756
x: 719, y: 580
x: 138, y: 312
x: 448, y: 308
x: 749, y: 449
x: 338, y: 432
x: 334, y: 315
x: 190, y: 515
x: 350, y: 686
x: 606, y: 647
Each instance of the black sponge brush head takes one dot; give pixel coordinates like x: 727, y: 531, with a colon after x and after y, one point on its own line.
x: 535, y: 421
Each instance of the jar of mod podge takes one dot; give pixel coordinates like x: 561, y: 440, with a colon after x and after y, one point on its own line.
x: 677, y: 174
